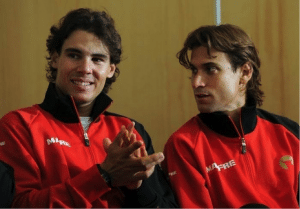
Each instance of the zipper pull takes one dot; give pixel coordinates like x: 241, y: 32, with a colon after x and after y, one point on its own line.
x: 243, y: 146
x: 86, y: 139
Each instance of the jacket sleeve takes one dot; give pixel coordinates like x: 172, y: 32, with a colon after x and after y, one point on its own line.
x: 155, y: 192
x: 186, y: 179
x: 31, y: 191
x: 7, y: 185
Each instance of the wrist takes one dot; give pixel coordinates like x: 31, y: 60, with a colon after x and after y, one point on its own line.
x: 105, y: 175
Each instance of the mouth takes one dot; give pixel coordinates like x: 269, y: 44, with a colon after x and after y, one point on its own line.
x: 81, y: 83
x: 202, y: 95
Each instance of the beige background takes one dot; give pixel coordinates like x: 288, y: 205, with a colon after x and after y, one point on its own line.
x: 152, y: 88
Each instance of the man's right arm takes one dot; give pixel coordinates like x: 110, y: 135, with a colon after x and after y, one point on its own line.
x: 31, y: 191
x: 79, y: 191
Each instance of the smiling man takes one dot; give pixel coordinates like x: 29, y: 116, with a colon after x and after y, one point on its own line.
x: 232, y: 154
x: 69, y: 151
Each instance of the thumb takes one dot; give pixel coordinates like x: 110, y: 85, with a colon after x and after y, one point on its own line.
x: 106, y: 144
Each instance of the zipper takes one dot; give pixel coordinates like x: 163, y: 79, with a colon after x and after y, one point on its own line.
x: 84, y: 133
x: 243, y: 146
x: 86, y: 139
x: 241, y: 135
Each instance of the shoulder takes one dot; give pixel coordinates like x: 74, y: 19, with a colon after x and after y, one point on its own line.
x: 123, y: 120
x: 289, y: 124
x: 187, y: 134
x: 23, y: 115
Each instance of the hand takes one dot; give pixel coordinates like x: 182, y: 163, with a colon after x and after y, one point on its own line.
x: 123, y: 162
x: 141, y: 152
x: 131, y: 138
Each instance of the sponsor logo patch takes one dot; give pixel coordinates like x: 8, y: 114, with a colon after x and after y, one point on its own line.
x: 220, y: 167
x: 58, y: 141
x: 284, y: 161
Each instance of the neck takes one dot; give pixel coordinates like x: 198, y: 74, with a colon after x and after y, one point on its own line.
x: 235, y: 116
x: 85, y: 109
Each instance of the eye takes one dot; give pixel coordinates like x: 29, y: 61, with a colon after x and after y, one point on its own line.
x: 73, y: 56
x: 193, y: 69
x: 211, y: 69
x: 97, y: 59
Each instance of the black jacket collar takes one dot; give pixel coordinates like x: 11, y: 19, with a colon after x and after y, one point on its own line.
x: 220, y: 123
x: 62, y: 108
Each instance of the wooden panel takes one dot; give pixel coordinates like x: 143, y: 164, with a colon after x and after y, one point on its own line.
x: 152, y: 88
x: 274, y: 27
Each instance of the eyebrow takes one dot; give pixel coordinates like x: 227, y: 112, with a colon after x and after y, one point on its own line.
x: 75, y: 50
x: 206, y: 64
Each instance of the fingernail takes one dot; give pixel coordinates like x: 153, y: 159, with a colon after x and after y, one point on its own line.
x: 161, y: 155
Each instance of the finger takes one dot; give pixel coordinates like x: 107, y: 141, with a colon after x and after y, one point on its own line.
x: 130, y: 128
x: 137, y: 153
x: 142, y: 175
x: 144, y: 152
x: 145, y: 163
x: 153, y: 159
x: 119, y: 140
x: 126, y: 139
x: 132, y: 148
x: 106, y: 144
x: 129, y: 132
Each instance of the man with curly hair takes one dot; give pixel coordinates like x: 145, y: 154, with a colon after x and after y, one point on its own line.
x: 232, y: 154
x: 69, y: 151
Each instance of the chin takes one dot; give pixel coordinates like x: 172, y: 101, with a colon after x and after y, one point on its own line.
x: 205, y: 110
x: 82, y: 100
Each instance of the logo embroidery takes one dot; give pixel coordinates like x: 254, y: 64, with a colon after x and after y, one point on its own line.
x: 224, y: 166
x: 2, y: 143
x: 172, y: 173
x: 56, y: 140
x: 284, y: 160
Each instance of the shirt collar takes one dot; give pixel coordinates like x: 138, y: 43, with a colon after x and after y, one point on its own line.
x: 62, y: 108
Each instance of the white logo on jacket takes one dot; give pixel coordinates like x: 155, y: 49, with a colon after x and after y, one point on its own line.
x: 56, y: 140
x: 224, y: 166
x: 172, y: 173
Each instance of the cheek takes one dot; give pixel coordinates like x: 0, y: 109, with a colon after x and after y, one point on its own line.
x: 62, y: 75
x: 102, y: 74
x: 228, y: 86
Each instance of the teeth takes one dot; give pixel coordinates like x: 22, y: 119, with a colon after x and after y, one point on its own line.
x: 81, y: 83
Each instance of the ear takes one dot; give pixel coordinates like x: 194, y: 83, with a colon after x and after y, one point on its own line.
x: 246, y: 73
x: 112, y: 70
x: 54, y: 60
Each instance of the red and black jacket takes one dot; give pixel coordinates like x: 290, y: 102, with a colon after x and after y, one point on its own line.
x: 210, y: 164
x: 56, y: 164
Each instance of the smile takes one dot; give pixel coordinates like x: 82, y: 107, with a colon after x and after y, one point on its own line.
x: 81, y: 83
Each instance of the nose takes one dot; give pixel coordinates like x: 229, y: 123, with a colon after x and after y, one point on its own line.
x: 86, y: 66
x: 198, y: 80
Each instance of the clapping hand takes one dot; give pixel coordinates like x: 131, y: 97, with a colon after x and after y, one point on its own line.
x: 127, y: 161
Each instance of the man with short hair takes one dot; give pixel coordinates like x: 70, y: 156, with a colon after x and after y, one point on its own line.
x: 232, y: 154
x: 61, y: 149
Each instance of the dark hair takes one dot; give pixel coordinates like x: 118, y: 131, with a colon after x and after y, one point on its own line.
x: 96, y: 22
x: 233, y: 41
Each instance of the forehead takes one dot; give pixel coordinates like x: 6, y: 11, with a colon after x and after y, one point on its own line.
x: 200, y: 55
x: 85, y: 41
